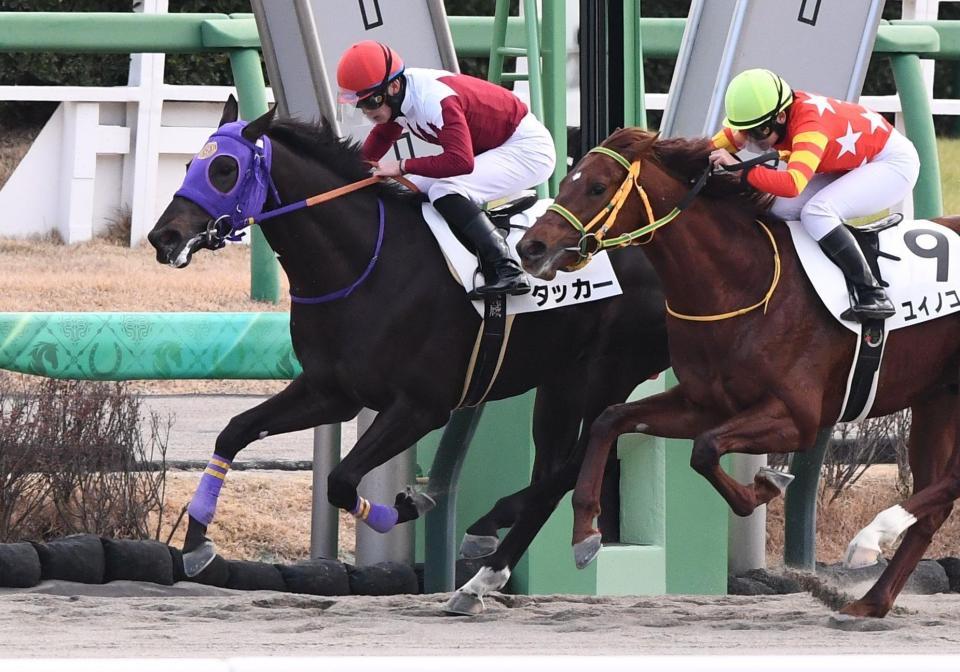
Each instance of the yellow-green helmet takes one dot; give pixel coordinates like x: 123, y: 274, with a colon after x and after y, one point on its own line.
x: 755, y: 97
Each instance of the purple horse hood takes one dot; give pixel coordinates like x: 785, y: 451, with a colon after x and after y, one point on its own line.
x: 246, y: 199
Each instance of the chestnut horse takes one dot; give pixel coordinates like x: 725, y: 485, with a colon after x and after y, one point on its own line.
x: 398, y: 339
x: 761, y: 374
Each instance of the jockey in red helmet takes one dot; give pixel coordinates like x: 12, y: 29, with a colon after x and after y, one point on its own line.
x: 492, y: 146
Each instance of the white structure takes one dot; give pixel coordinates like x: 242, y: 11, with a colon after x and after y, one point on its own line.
x: 108, y: 151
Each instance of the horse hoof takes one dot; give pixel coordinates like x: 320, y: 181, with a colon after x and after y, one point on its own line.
x: 464, y: 604
x: 779, y: 479
x: 585, y: 551
x: 859, y: 556
x: 198, y: 559
x: 421, y: 500
x: 476, y: 546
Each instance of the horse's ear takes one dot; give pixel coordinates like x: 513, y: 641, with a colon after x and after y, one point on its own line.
x: 259, y: 126
x: 230, y: 111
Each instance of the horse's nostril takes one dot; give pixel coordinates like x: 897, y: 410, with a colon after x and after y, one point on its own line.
x: 531, y: 249
x: 163, y: 239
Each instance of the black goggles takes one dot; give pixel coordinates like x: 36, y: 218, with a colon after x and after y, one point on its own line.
x: 372, y: 102
x: 761, y: 132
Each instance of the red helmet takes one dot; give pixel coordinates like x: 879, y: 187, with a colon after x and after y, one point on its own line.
x: 366, y: 68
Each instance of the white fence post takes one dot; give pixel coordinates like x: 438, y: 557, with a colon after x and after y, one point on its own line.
x: 141, y: 167
x: 78, y: 169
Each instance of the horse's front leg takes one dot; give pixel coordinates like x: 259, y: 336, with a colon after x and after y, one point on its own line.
x: 295, y: 408
x: 668, y: 414
x: 395, y: 429
x: 765, y: 428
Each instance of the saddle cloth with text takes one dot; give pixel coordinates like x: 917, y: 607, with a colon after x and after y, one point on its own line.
x: 595, y: 281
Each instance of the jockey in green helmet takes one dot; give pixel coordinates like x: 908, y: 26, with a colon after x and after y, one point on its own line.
x: 843, y: 161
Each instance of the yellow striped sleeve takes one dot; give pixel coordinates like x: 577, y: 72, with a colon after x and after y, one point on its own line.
x: 799, y: 179
x: 813, y: 137
x: 807, y: 158
x: 214, y: 472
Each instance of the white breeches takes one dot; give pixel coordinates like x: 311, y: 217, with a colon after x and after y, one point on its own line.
x: 525, y: 160
x: 831, y: 198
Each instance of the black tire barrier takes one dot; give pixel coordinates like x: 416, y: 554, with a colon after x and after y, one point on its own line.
x: 317, y: 577
x: 130, y: 560
x: 216, y: 574
x: 928, y: 578
x: 86, y: 558
x: 78, y: 557
x: 248, y: 575
x: 780, y: 585
x: 741, y: 585
x: 19, y: 565
x: 383, y: 578
x: 952, y: 567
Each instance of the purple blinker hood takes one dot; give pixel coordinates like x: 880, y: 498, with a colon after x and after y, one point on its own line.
x: 239, y: 207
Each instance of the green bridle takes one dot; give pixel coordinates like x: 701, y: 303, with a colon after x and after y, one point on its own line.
x: 597, y: 239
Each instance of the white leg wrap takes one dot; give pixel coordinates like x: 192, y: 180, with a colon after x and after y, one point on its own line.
x: 485, y: 581
x: 885, y: 528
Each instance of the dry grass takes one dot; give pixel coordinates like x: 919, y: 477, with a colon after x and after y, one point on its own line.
x: 854, y: 509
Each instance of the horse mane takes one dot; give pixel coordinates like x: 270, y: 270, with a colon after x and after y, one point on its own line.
x: 686, y: 159
x: 342, y: 156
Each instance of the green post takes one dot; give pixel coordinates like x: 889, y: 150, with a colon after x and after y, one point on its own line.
x: 800, y: 505
x: 251, y: 89
x: 918, y: 123
x: 634, y: 106
x: 554, y: 86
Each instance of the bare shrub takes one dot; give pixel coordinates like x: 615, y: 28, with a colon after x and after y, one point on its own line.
x: 117, y: 230
x: 856, y: 446
x: 73, y: 459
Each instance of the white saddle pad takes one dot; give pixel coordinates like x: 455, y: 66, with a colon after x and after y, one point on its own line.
x: 593, y: 282
x: 924, y: 283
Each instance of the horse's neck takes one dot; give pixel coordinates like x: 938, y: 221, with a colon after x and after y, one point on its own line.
x: 327, y: 247
x: 710, y: 264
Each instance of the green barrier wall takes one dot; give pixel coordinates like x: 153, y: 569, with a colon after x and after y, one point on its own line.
x: 673, y: 524
x: 132, y: 346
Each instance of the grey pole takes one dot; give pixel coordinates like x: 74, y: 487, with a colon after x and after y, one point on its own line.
x: 382, y: 485
x: 324, y: 516
x: 747, y: 537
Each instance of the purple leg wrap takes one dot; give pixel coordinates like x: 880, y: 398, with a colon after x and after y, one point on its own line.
x: 204, y: 502
x: 379, y: 517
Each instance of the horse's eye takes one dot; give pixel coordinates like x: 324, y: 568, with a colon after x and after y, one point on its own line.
x: 223, y: 172
x: 597, y: 188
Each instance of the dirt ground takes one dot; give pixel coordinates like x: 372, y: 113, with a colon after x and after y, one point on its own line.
x: 126, y: 619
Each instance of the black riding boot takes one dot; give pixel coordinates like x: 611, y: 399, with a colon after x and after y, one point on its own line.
x: 502, y: 274
x: 870, y: 300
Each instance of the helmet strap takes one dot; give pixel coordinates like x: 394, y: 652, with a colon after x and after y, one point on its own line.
x: 396, y: 99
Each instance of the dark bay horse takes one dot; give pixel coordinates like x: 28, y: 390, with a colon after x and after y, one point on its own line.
x: 400, y: 343
x: 768, y: 373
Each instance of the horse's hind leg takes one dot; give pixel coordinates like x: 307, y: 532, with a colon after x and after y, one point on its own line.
x: 295, y: 408
x: 557, y: 414
x: 394, y: 430
x: 934, y: 459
